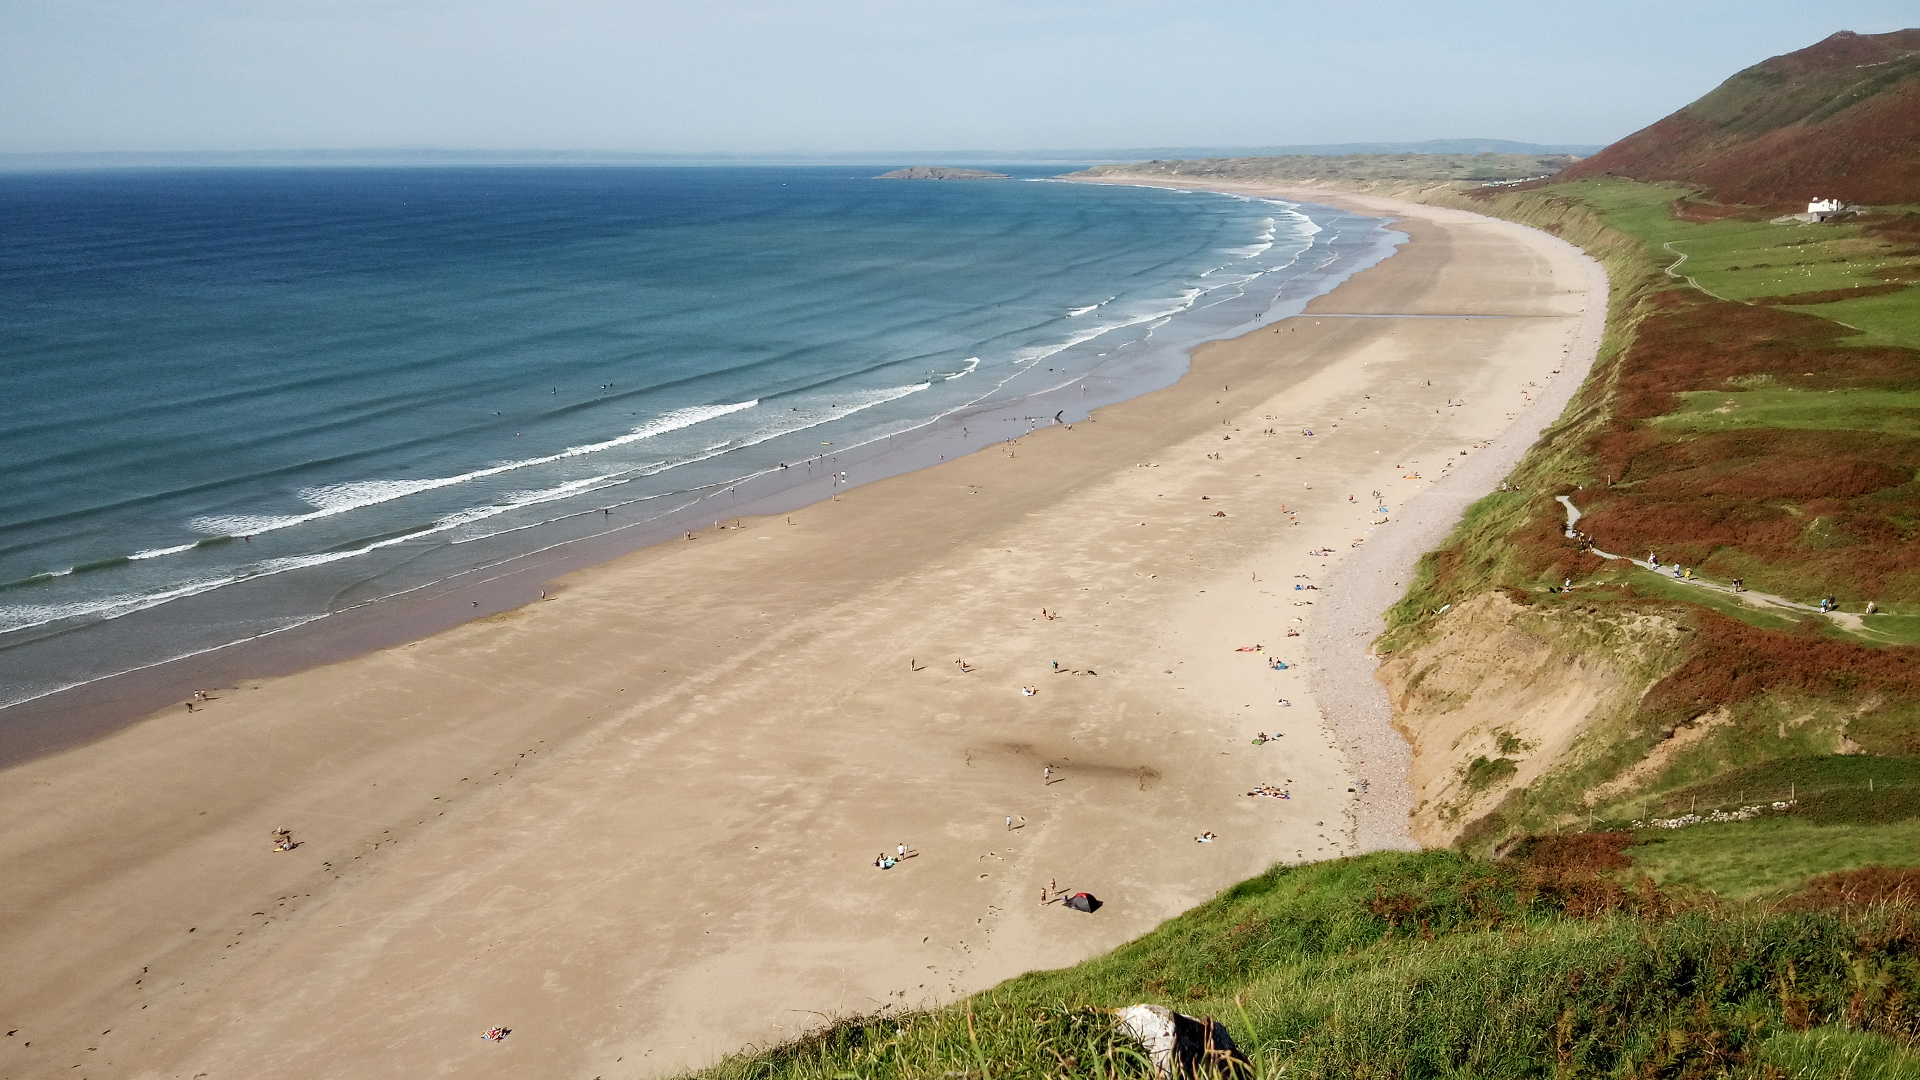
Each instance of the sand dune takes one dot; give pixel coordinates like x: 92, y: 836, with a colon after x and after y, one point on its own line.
x: 636, y: 824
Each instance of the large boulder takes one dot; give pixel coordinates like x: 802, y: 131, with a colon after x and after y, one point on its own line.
x: 1183, y: 1047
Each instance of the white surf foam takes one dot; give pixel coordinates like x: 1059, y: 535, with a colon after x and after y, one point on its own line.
x: 154, y: 553
x: 335, y: 499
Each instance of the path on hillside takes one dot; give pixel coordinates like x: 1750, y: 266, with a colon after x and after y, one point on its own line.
x: 1758, y: 599
x: 1674, y: 268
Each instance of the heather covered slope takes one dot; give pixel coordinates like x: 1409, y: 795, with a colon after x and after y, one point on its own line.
x: 1840, y: 119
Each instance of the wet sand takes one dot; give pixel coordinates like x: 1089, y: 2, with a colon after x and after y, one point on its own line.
x: 636, y: 823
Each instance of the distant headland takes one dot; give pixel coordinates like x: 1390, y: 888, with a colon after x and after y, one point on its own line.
x: 940, y: 172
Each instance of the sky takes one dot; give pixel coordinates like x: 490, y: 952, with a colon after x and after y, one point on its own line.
x: 757, y: 76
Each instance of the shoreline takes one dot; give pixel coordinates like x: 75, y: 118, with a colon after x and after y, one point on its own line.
x: 1345, y: 667
x: 76, y: 715
x: 637, y: 823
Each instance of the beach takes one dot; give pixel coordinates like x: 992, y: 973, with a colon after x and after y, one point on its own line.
x: 636, y: 822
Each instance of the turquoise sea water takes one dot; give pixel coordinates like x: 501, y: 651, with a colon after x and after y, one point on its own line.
x: 240, y: 400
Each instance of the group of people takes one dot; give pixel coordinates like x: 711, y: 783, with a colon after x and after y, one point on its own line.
x: 283, y: 840
x: 1828, y: 604
x: 1268, y: 791
x: 887, y: 862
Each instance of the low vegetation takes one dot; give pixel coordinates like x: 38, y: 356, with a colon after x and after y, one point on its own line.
x: 1562, y: 959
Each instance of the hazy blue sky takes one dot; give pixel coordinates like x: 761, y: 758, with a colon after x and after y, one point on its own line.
x: 756, y: 75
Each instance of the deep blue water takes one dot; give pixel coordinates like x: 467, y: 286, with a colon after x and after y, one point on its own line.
x: 237, y: 400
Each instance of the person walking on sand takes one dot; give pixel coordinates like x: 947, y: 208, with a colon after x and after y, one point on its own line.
x: 902, y: 849
x: 1046, y: 775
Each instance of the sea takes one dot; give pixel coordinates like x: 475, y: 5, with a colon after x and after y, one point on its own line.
x: 241, y: 402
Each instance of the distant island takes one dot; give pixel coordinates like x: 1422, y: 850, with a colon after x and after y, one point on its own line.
x: 940, y: 172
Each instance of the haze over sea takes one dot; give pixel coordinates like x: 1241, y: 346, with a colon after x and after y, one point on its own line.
x: 241, y: 400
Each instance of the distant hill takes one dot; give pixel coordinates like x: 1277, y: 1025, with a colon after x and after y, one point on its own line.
x: 1840, y: 119
x: 1430, y: 146
x: 1344, y: 168
x: 939, y: 172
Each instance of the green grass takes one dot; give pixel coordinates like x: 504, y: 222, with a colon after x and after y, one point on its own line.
x: 1838, y: 1054
x: 1767, y: 857
x: 1747, y: 260
x: 1829, y: 789
x: 1893, y: 629
x: 1648, y: 583
x: 1893, y: 319
x: 1889, y: 412
x: 1430, y: 965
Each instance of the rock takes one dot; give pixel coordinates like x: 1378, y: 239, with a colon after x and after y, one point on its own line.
x: 1183, y: 1046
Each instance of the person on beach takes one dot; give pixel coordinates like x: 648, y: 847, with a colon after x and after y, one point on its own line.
x: 1028, y: 691
x: 1046, y: 775
x: 902, y: 849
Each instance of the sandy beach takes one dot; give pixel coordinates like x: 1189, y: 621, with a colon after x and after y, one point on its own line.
x: 636, y: 823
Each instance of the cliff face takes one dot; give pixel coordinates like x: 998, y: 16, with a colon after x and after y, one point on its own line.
x: 1500, y: 697
x: 1839, y: 119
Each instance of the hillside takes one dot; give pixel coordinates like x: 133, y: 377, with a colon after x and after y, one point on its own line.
x: 1840, y: 119
x: 1344, y: 169
x: 1562, y: 961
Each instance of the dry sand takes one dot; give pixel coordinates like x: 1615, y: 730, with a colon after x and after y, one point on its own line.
x: 636, y: 824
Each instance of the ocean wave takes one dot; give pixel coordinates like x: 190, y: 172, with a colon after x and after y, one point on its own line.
x: 1305, y: 225
x: 154, y: 553
x: 805, y: 420
x: 972, y: 362
x: 16, y: 617
x: 335, y: 499
x: 864, y: 400
x: 27, y: 616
